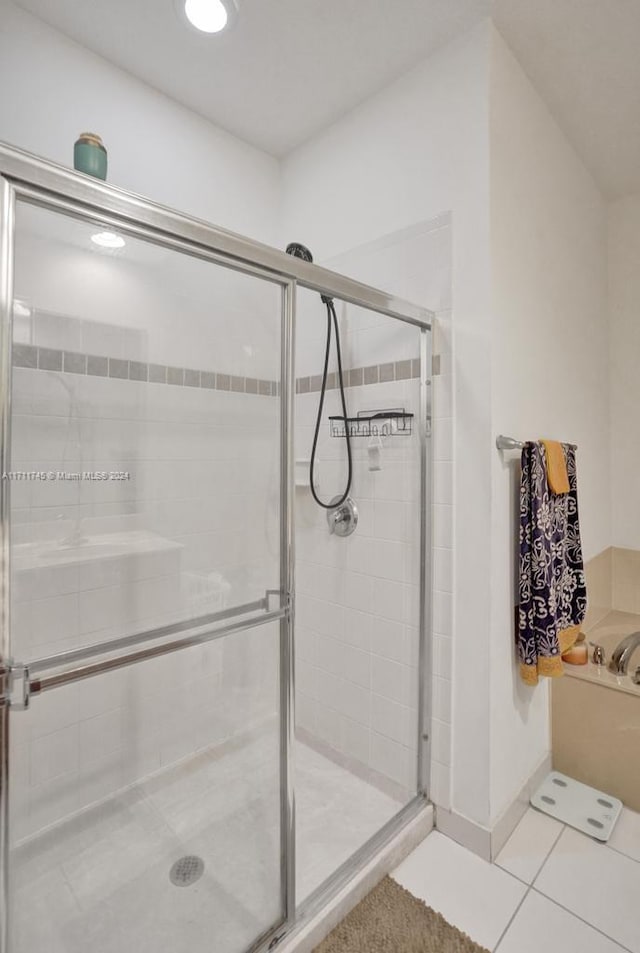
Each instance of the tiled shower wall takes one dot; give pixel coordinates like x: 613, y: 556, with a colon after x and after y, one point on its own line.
x: 357, y: 597
x: 166, y: 368
x: 193, y: 530
x: 358, y: 602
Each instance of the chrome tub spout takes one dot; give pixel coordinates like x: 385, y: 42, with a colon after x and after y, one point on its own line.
x: 622, y: 653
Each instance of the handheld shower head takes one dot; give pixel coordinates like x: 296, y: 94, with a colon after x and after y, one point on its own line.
x: 299, y: 251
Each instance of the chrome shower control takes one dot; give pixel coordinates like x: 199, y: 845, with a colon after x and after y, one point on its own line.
x: 343, y: 519
x: 598, y: 656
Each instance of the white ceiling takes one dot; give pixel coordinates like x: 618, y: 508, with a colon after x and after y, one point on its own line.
x: 583, y: 56
x: 286, y: 69
x: 289, y: 68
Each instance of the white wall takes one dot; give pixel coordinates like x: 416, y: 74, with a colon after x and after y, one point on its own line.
x: 53, y: 89
x: 624, y: 329
x: 549, y: 369
x: 418, y: 149
x: 418, y: 143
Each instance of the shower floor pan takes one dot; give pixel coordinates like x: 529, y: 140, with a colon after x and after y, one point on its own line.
x: 102, y: 880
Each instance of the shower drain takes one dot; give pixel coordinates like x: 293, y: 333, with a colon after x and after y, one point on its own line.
x: 186, y: 871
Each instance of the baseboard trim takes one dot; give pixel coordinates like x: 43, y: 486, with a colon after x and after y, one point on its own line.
x: 487, y: 842
x: 511, y: 817
x: 469, y: 833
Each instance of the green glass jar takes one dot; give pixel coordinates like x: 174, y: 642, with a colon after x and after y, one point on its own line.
x: 90, y: 155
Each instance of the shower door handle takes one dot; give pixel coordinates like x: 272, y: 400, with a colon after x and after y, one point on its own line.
x: 20, y: 682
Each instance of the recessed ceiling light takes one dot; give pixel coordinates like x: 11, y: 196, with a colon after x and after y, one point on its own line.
x: 209, y: 16
x: 108, y: 240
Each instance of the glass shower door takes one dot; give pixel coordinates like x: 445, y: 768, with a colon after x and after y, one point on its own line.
x: 148, y: 774
x: 361, y: 598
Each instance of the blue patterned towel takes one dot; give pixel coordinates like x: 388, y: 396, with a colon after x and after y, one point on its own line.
x: 553, y: 596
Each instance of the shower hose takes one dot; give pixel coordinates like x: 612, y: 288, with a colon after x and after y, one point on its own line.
x: 332, y: 321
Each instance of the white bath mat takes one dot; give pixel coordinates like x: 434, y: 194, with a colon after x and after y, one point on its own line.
x: 588, y: 810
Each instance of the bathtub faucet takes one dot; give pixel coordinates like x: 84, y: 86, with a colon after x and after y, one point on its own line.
x: 622, y: 653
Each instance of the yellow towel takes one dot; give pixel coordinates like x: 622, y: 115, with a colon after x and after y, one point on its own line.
x: 556, y: 467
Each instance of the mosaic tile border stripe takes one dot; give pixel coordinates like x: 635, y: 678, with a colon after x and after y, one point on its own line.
x: 92, y: 365
x: 72, y: 362
x: 359, y: 376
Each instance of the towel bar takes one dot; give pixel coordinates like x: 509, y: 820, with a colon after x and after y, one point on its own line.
x: 509, y: 443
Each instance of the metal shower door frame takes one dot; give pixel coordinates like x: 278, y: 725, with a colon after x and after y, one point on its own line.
x: 36, y: 181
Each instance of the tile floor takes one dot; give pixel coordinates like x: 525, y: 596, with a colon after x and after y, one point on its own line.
x: 101, y: 880
x: 551, y: 889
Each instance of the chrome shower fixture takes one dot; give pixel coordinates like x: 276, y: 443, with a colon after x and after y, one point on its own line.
x: 342, y: 518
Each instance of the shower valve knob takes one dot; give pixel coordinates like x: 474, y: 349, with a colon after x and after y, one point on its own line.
x: 343, y: 519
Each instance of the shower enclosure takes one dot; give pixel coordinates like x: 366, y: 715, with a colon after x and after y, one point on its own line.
x: 148, y: 724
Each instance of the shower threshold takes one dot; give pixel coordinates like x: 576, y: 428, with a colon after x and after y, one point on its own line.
x: 334, y: 899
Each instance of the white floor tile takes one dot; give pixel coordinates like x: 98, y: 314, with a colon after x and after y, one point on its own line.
x: 626, y: 834
x: 528, y: 847
x: 541, y: 925
x: 598, y: 884
x: 473, y: 895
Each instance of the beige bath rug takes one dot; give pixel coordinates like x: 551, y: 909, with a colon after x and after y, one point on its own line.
x: 391, y: 920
